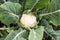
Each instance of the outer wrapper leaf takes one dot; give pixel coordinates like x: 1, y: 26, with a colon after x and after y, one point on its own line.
x: 36, y: 34
x: 54, y: 34
x: 38, y: 4
x: 9, y: 13
x: 12, y: 7
x: 17, y: 35
x: 54, y: 17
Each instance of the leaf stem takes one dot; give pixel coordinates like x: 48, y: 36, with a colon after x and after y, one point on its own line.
x: 18, y: 34
x: 49, y: 13
x: 34, y: 4
x: 6, y: 28
x: 49, y: 34
x: 4, y: 1
x: 1, y: 34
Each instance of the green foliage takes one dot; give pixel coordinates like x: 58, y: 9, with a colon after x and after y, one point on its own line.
x: 52, y: 12
x: 9, y: 13
x: 55, y: 34
x: 7, y: 18
x: 17, y: 35
x: 47, y: 13
x: 13, y: 1
x: 36, y: 34
x: 36, y: 4
x: 12, y: 7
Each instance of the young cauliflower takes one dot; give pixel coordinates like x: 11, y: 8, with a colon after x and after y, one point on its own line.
x: 28, y: 20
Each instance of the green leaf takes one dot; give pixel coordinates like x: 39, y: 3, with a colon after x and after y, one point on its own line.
x: 41, y: 4
x: 19, y: 36
x: 3, y: 34
x: 1, y: 1
x: 12, y: 7
x: 57, y: 37
x: 11, y: 35
x: 55, y: 18
x: 48, y: 27
x: 9, y: 13
x: 13, y: 0
x: 29, y: 4
x: 54, y: 34
x: 52, y: 12
x: 15, y: 35
x: 36, y: 34
x: 8, y: 18
x: 36, y: 4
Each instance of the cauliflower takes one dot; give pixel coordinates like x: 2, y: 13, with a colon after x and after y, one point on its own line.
x: 28, y: 20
